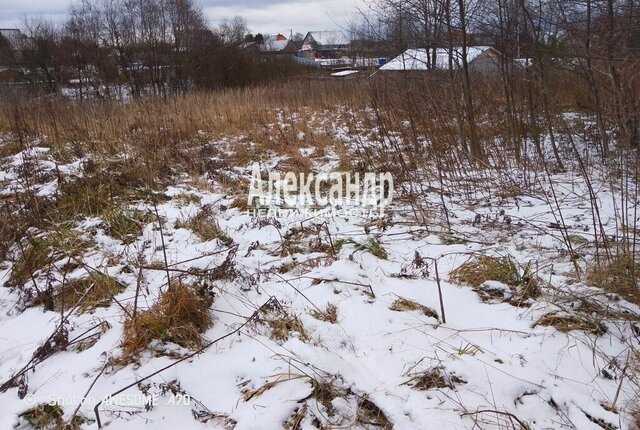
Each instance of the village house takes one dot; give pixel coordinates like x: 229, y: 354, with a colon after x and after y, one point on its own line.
x: 277, y: 44
x: 271, y: 44
x: 325, y: 45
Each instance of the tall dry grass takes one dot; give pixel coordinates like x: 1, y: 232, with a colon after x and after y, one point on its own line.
x: 226, y: 111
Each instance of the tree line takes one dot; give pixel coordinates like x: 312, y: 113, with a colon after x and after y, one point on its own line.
x: 138, y: 47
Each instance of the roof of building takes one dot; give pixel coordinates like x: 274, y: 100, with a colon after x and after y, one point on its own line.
x: 417, y: 59
x: 329, y: 38
x: 274, y: 43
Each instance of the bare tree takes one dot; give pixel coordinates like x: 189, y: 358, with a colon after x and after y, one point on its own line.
x: 233, y: 30
x: 42, y: 57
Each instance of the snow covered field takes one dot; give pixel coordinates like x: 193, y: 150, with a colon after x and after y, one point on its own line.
x: 332, y: 322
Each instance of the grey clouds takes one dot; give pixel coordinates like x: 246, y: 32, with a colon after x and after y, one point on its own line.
x: 263, y: 16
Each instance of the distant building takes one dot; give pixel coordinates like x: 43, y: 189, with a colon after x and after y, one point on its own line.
x: 484, y: 59
x: 273, y: 44
x: 325, y: 44
x: 277, y: 44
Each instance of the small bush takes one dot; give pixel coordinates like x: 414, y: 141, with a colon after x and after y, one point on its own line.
x: 180, y: 315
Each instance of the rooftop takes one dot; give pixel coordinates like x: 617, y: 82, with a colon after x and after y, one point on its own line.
x: 417, y: 59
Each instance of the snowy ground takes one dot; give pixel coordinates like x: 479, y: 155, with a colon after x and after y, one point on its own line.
x: 368, y: 369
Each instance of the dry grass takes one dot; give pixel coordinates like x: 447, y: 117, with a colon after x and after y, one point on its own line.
x: 248, y: 394
x: 9, y: 234
x: 97, y: 192
x: 281, y: 324
x: 96, y: 290
x: 636, y: 419
x: 621, y: 276
x: 126, y: 224
x: 369, y: 415
x: 35, y: 255
x: 306, y: 240
x: 329, y: 314
x: 45, y: 416
x: 231, y: 111
x: 295, y: 421
x: 372, y: 246
x: 205, y: 226
x: 38, y: 252
x: 325, y: 391
x: 180, y: 315
x: 633, y: 407
x: 567, y: 323
x: 480, y: 269
x: 184, y: 199
x: 435, y: 378
x: 284, y: 326
x: 241, y: 203
x: 50, y: 417
x: 402, y: 305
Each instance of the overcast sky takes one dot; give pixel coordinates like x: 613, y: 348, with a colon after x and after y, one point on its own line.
x: 263, y: 16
